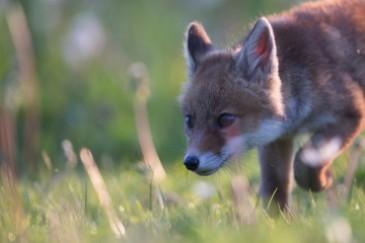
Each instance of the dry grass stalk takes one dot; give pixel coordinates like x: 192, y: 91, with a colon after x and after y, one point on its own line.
x: 139, y: 76
x: 22, y: 41
x: 47, y: 160
x: 338, y: 194
x: 7, y: 143
x: 334, y: 196
x: 11, y: 196
x: 71, y: 160
x: 354, y: 161
x: 244, y: 211
x: 101, y: 191
x: 65, y: 223
x: 13, y: 204
x: 69, y: 153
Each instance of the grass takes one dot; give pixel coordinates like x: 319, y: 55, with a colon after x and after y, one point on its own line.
x: 61, y: 206
x: 92, y: 105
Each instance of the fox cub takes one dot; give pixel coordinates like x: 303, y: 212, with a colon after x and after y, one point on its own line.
x: 301, y: 71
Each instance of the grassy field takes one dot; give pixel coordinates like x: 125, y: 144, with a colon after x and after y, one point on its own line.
x: 61, y: 205
x: 65, y: 75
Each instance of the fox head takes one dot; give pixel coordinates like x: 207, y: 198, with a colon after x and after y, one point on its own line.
x: 232, y: 101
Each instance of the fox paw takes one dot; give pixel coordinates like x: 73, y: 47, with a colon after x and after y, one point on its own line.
x: 314, y: 179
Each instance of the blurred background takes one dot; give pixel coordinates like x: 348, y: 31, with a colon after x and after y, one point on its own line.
x: 64, y: 71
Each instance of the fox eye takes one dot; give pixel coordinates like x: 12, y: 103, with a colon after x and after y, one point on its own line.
x: 189, y: 121
x: 226, y: 120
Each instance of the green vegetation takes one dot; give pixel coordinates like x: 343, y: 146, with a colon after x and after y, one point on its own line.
x: 82, y: 54
x: 63, y: 207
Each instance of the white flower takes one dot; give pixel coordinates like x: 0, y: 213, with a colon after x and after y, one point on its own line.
x: 339, y: 231
x: 204, y: 190
x: 85, y: 39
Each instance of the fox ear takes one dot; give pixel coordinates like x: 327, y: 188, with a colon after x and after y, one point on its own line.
x: 197, y: 45
x: 258, y: 57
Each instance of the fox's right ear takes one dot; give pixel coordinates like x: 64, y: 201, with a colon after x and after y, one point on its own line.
x: 197, y: 44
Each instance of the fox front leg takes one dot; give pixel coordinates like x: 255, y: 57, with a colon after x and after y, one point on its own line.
x: 313, y: 160
x: 276, y: 173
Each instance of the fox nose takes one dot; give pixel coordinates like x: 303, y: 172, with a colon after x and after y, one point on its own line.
x: 191, y: 163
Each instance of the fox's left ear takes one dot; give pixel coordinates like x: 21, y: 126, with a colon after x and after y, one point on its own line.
x: 258, y: 58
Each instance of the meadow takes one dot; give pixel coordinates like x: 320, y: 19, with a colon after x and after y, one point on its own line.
x: 61, y: 205
x: 91, y: 135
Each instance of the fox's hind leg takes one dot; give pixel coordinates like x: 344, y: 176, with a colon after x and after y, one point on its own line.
x: 276, y: 173
x: 310, y: 177
x: 313, y: 161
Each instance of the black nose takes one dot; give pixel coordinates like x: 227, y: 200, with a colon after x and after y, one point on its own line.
x: 191, y: 163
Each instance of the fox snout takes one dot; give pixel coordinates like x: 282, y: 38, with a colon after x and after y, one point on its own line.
x: 204, y: 163
x: 208, y: 162
x: 191, y: 162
